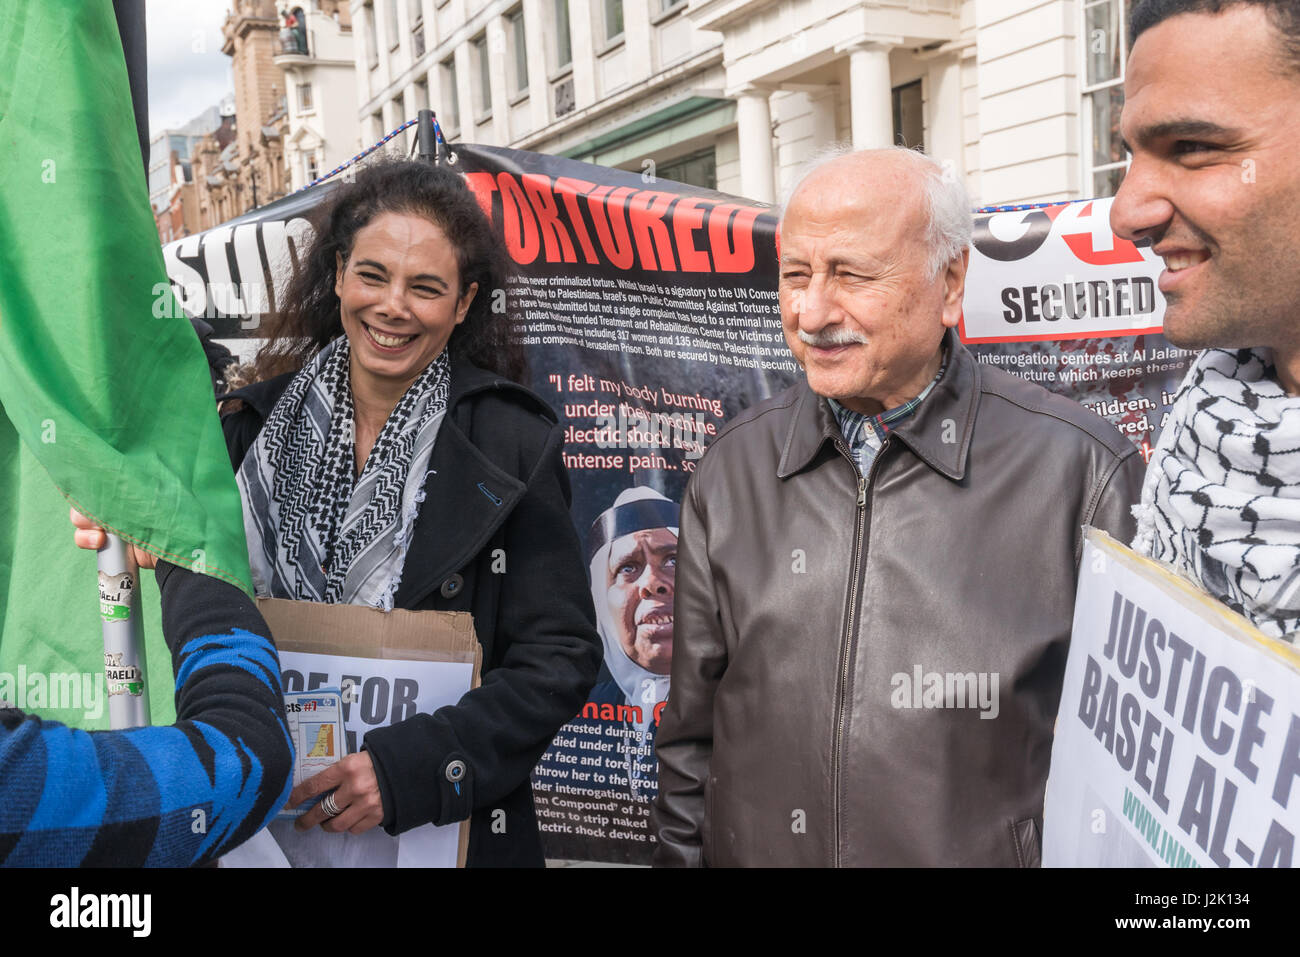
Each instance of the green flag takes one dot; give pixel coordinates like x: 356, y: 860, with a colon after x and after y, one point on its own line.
x: 98, y: 383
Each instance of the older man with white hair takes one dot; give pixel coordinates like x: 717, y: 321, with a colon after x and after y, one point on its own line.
x: 876, y: 569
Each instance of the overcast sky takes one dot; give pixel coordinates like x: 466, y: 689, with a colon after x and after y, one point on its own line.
x: 187, y: 70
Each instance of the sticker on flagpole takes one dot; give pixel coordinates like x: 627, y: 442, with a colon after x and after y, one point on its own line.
x: 115, y: 593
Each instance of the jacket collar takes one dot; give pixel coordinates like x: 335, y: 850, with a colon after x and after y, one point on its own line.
x: 938, y: 432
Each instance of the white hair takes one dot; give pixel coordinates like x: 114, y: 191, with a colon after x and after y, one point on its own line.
x: 948, y: 231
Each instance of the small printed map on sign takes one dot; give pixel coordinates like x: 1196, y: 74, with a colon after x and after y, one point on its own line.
x: 324, y: 746
x: 315, y: 721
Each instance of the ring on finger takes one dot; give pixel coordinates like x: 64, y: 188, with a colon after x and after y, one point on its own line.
x: 329, y: 807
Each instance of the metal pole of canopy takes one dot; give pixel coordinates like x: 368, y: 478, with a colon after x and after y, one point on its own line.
x: 426, y: 145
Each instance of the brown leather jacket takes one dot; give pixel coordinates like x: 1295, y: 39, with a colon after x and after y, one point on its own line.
x: 810, y: 600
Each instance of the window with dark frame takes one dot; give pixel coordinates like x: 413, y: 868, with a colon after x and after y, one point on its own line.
x: 909, y: 115
x: 613, y: 19
x: 450, y: 95
x: 698, y: 169
x: 1105, y: 49
x: 519, y: 51
x: 563, y: 40
x: 478, y: 47
x: 372, y: 37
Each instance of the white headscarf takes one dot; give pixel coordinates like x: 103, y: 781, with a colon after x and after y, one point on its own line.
x: 639, y: 685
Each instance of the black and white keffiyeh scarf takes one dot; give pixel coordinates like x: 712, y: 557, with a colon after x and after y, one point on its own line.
x: 316, y: 530
x: 1221, y: 500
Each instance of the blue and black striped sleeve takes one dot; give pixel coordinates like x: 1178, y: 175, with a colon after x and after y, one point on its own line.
x: 174, y: 796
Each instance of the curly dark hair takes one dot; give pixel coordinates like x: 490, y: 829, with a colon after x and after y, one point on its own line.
x: 308, y: 318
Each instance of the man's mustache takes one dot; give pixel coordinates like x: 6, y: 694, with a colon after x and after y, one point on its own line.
x: 829, y: 338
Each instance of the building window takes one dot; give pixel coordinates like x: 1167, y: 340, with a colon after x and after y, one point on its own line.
x: 390, y: 18
x: 699, y: 169
x: 1105, y: 41
x: 478, y: 47
x: 519, y: 52
x: 372, y: 37
x: 309, y: 167
x: 613, y: 19
x: 450, y: 95
x: 304, y: 98
x: 415, y: 15
x: 563, y: 42
x: 909, y: 116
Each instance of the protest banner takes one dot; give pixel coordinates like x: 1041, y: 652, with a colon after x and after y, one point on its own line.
x: 1178, y: 737
x: 1055, y: 297
x: 648, y: 313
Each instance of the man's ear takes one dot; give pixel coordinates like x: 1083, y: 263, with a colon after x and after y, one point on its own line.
x: 954, y: 288
x: 338, y: 274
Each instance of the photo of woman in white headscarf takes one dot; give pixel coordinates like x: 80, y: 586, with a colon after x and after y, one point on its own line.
x: 632, y: 555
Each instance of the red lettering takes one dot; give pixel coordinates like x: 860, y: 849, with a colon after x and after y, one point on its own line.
x: 554, y: 235
x: 729, y: 256
x: 646, y: 212
x: 519, y: 226
x: 570, y: 190
x: 482, y: 185
x: 1080, y: 244
x: 688, y: 217
x: 618, y: 246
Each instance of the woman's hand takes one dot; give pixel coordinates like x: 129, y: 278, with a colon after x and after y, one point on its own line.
x: 90, y: 536
x: 357, y: 796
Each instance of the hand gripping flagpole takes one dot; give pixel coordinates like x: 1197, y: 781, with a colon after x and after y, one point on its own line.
x: 119, y: 606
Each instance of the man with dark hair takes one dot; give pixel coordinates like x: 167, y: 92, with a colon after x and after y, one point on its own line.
x: 1211, y: 119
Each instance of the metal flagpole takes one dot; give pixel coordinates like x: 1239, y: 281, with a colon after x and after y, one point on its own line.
x: 119, y: 606
x: 119, y: 594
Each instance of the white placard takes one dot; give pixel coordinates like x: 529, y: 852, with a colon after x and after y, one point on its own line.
x: 377, y: 692
x: 1178, y: 737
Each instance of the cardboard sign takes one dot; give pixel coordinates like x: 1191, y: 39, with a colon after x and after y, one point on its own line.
x: 1178, y: 738
x: 389, y: 667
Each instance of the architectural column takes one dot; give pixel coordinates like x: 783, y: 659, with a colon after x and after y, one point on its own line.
x: 870, y: 105
x: 825, y: 127
x: 945, y: 124
x: 754, y: 132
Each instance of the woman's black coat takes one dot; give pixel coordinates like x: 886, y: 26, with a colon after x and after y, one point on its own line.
x: 494, y: 538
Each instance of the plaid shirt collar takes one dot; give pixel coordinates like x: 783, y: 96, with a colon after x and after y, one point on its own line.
x: 866, y: 433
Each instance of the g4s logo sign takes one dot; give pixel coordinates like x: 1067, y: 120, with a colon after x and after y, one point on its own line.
x: 1083, y: 226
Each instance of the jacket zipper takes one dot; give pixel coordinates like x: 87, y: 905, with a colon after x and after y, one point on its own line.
x: 859, y: 527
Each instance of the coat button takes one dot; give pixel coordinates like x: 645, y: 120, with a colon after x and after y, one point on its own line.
x: 452, y: 586
x: 455, y: 771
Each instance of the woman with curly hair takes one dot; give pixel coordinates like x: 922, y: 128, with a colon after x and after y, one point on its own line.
x: 389, y: 457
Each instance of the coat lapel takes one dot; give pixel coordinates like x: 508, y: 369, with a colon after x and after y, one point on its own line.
x: 466, y: 498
